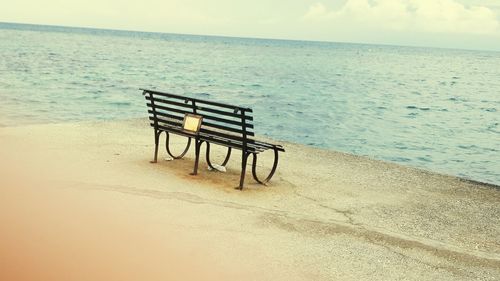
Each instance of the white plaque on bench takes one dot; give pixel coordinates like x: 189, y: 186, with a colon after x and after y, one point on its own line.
x: 192, y: 123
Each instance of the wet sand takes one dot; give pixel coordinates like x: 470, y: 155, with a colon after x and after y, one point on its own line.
x: 82, y: 202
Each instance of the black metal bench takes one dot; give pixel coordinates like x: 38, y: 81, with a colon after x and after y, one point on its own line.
x: 222, y: 124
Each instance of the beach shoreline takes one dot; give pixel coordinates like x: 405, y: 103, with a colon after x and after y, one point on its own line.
x: 324, y: 215
x: 28, y: 123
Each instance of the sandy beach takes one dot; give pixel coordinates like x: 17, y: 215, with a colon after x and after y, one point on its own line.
x: 80, y: 201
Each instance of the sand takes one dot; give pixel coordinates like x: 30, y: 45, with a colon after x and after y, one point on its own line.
x: 80, y: 201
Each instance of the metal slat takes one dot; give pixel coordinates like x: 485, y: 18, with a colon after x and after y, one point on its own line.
x: 220, y: 134
x: 269, y: 145
x: 204, y: 130
x: 211, y: 110
x: 214, y: 118
x: 211, y: 139
x: 167, y: 115
x: 221, y: 141
x: 205, y: 123
x: 197, y: 100
x: 200, y: 108
x: 220, y: 127
x: 218, y: 119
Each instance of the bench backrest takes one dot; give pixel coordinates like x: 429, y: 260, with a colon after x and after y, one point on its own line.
x: 228, y: 124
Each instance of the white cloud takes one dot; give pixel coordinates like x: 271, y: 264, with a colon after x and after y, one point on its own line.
x: 437, y: 16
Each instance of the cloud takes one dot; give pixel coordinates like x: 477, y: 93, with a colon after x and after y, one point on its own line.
x: 435, y: 16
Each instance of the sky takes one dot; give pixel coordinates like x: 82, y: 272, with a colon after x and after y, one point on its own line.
x: 463, y: 24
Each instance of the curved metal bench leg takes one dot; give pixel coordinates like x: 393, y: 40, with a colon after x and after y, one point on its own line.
x: 271, y: 174
x: 157, y: 142
x: 197, y: 155
x: 244, y: 158
x: 167, y: 147
x: 228, y: 155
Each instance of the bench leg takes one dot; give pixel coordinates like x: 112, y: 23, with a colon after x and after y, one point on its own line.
x: 157, y: 142
x: 197, y: 149
x: 228, y: 155
x: 167, y: 147
x: 273, y: 169
x: 244, y: 158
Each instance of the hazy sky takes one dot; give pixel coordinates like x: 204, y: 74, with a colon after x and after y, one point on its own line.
x: 442, y: 23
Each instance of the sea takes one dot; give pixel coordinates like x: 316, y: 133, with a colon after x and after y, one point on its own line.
x: 435, y: 109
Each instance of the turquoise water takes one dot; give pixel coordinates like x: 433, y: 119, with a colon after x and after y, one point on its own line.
x: 436, y: 109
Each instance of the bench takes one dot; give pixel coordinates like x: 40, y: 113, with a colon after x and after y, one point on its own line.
x: 221, y: 124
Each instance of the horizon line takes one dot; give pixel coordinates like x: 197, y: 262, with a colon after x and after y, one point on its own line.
x: 243, y: 37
